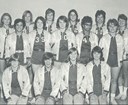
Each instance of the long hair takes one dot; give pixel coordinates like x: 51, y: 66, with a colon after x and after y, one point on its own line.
x: 98, y: 50
x: 64, y: 18
x: 73, y: 10
x: 27, y: 12
x: 124, y: 17
x: 42, y: 19
x: 49, y: 10
x: 6, y: 14
x: 114, y: 21
x: 46, y: 56
x: 71, y: 50
x: 100, y: 12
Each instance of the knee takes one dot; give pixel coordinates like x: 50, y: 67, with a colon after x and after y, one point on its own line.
x: 93, y: 99
x: 79, y: 99
x: 50, y: 101
x: 67, y: 98
x: 39, y: 101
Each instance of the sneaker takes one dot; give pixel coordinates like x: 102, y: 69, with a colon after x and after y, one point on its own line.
x: 113, y: 101
x: 118, y: 96
x: 124, y: 96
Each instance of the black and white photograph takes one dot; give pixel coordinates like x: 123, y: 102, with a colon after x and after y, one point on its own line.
x: 63, y: 52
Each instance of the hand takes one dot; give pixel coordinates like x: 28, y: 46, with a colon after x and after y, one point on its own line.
x: 63, y: 92
x: 38, y: 96
x: 28, y: 61
x: 23, y: 96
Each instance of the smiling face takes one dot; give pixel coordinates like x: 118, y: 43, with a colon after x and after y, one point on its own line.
x: 72, y: 16
x: 15, y: 63
x: 73, y: 56
x: 19, y: 26
x: 48, y: 62
x: 6, y: 20
x: 122, y: 22
x: 96, y: 56
x: 100, y: 19
x: 87, y: 26
x: 112, y: 28
x: 39, y: 24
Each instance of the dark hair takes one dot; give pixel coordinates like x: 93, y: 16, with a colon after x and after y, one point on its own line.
x: 49, y: 10
x: 98, y: 50
x: 114, y: 21
x: 71, y: 50
x: 86, y: 19
x: 17, y: 21
x: 100, y: 12
x: 14, y: 57
x: 73, y: 10
x: 64, y: 18
x: 6, y: 14
x: 46, y: 56
x: 25, y: 13
x: 42, y: 19
x: 124, y: 17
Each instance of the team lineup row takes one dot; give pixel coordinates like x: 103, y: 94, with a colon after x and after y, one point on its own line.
x: 64, y: 60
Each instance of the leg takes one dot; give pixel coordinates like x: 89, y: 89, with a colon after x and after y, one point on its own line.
x: 67, y: 99
x: 120, y: 83
x: 35, y: 67
x: 31, y: 76
x: 93, y: 99
x: 103, y: 100
x: 125, y: 73
x: 40, y: 101
x: 22, y: 100
x: 13, y: 100
x: 50, y: 101
x: 79, y: 99
x: 114, y: 75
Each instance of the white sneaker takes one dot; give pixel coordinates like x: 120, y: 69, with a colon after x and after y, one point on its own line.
x: 113, y: 101
x: 124, y: 96
x: 118, y: 96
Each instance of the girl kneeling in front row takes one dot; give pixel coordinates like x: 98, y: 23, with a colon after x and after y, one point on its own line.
x: 98, y: 78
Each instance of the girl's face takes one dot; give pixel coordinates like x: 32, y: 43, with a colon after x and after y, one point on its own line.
x: 49, y: 16
x: 48, y: 62
x: 72, y: 16
x: 27, y: 18
x: 73, y: 56
x: 62, y: 24
x: 14, y: 64
x: 100, y: 19
x: 96, y: 56
x: 19, y: 27
x: 112, y: 28
x: 122, y: 22
x: 6, y: 20
x: 39, y: 24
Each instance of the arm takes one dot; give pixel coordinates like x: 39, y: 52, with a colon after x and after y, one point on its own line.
x: 108, y: 78
x: 36, y: 84
x: 7, y: 47
x: 5, y: 83
x: 26, y: 83
x: 56, y: 85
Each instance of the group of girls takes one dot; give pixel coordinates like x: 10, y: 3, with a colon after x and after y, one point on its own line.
x: 68, y: 61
